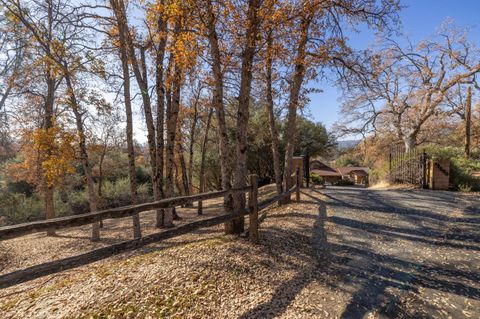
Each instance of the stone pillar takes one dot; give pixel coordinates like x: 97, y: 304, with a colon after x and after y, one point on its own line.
x: 439, y: 174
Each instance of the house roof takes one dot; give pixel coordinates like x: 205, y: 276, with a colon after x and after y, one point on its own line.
x: 325, y: 172
x: 363, y: 171
x: 320, y: 168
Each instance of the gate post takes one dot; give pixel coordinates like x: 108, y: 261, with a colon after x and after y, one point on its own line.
x: 253, y: 201
x: 424, y: 170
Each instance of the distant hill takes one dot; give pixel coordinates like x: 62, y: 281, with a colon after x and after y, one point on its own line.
x: 341, y: 145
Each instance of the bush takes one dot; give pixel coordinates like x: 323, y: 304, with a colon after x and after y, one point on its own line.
x: 464, y: 188
x: 21, y: 187
x: 316, y: 179
x: 142, y: 176
x: 117, y: 193
x: 18, y: 208
x: 344, y: 182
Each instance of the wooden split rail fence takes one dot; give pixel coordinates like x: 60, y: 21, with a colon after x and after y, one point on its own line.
x: 37, y: 271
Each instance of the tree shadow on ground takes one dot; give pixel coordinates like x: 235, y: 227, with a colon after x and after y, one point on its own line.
x: 48, y: 268
x: 352, y: 265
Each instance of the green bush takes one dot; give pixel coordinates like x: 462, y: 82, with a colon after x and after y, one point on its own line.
x: 117, y: 193
x: 316, y: 179
x: 142, y: 176
x: 18, y: 208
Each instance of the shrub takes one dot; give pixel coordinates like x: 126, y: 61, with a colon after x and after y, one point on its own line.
x: 117, y: 193
x: 142, y: 176
x: 18, y: 208
x: 22, y: 187
x: 461, y: 168
x: 344, y: 182
x: 316, y: 179
x: 464, y: 188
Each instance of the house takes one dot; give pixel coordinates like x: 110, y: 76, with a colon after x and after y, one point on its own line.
x: 356, y: 174
x: 329, y: 174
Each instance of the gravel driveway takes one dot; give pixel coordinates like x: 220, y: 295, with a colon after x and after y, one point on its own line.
x: 405, y: 253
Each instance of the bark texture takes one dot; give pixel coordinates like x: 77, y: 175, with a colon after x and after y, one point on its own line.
x: 128, y: 112
x: 217, y: 102
x: 295, y: 87
x: 271, y: 115
x: 201, y: 174
x: 236, y: 226
x: 92, y: 196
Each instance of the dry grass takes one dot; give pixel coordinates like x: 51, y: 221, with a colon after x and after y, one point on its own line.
x: 384, y: 185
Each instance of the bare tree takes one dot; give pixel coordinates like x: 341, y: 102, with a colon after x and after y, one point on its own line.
x: 122, y: 48
x: 400, y: 89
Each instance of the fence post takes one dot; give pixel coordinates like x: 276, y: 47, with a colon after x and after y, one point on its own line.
x: 253, y: 201
x: 200, y: 202
x: 297, y: 189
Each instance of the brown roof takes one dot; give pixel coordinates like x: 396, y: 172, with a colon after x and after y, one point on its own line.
x: 325, y: 172
x: 320, y: 168
x: 353, y: 169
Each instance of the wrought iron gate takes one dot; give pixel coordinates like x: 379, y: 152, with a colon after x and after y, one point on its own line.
x: 408, y: 166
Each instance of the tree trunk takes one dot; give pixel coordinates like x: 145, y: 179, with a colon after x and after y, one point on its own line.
x: 151, y: 139
x: 217, y: 102
x: 172, y: 118
x: 100, y: 176
x: 296, y: 85
x: 468, y: 122
x: 92, y: 196
x: 202, y: 160
x: 192, y: 140
x: 49, y: 206
x: 47, y: 125
x: 128, y: 111
x: 100, y: 170
x: 160, y: 90
x: 140, y: 72
x: 236, y: 226
x: 410, y: 141
x: 271, y: 115
x: 183, y: 167
x: 5, y: 95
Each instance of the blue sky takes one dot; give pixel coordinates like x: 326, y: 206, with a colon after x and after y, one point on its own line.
x: 420, y: 19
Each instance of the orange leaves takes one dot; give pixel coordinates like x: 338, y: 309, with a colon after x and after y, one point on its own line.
x: 48, y: 155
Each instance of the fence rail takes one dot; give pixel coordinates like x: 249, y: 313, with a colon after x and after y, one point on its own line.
x: 37, y: 271
x: 8, y: 232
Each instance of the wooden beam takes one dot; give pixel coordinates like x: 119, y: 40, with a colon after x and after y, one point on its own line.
x: 13, y: 231
x: 265, y: 203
